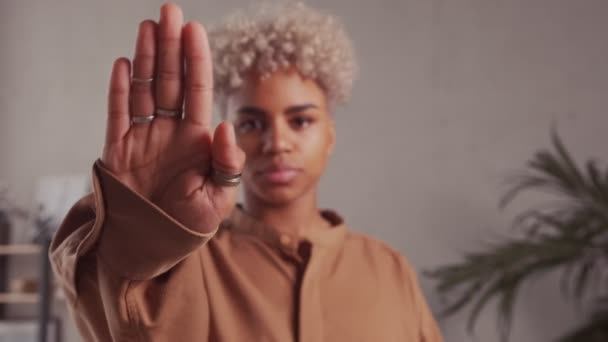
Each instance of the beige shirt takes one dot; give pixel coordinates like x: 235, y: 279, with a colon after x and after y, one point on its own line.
x: 133, y: 273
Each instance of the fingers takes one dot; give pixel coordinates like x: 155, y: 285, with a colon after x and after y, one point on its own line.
x: 142, y: 90
x: 199, y: 75
x: 169, y: 59
x: 118, y: 102
x: 227, y: 156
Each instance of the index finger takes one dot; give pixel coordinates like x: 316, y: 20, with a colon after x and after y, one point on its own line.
x: 118, y: 102
x: 199, y: 75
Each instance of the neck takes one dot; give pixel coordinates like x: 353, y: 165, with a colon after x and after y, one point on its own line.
x: 298, y: 216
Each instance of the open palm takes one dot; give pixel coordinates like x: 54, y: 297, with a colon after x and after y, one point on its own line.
x: 168, y: 160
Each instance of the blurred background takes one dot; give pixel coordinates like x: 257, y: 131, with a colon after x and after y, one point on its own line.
x: 452, y: 98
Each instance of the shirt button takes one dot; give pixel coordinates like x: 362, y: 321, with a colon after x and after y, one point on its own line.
x: 285, y: 240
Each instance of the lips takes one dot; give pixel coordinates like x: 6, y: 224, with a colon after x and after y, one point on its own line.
x: 279, y: 174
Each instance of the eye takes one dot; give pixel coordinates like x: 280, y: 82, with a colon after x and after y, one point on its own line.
x: 248, y: 125
x: 300, y: 122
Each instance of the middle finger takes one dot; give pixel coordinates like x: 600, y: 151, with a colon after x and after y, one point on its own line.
x: 169, y: 63
x: 142, y: 92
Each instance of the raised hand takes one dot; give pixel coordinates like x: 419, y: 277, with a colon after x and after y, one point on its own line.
x: 167, y: 157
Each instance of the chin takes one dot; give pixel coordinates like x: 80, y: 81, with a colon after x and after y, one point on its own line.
x: 276, y: 195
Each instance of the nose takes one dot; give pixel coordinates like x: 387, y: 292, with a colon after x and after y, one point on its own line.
x: 277, y: 138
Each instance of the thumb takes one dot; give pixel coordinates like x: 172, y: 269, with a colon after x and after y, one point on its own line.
x: 227, y: 156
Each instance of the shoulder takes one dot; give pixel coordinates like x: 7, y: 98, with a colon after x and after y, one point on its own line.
x: 363, y: 241
x: 379, y: 254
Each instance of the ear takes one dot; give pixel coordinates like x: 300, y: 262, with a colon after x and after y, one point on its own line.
x: 332, y: 136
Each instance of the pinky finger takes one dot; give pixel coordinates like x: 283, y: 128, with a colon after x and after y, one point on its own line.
x: 118, y: 101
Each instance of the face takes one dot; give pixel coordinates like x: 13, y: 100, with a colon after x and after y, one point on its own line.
x: 283, y: 124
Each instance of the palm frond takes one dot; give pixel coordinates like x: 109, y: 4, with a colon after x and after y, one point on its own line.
x: 570, y: 235
x: 595, y: 330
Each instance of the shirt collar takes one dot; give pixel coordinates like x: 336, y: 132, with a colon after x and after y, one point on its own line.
x: 241, y: 222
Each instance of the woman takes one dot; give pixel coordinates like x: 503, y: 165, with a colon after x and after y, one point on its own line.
x: 161, y: 252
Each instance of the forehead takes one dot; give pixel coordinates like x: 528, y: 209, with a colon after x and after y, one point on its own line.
x: 278, y: 91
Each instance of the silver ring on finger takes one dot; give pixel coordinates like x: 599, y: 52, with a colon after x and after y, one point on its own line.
x: 142, y: 80
x: 142, y: 119
x: 225, y: 179
x: 168, y: 113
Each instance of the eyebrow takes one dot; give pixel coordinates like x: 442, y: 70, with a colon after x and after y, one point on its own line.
x: 255, y: 111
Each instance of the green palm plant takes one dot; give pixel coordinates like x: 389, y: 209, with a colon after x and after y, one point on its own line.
x: 569, y: 234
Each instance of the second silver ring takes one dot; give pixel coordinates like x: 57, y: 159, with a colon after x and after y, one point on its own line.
x: 168, y: 113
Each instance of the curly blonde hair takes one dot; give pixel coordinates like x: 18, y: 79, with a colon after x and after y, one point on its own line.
x: 280, y: 36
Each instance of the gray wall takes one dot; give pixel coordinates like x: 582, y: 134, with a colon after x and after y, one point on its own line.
x: 453, y: 96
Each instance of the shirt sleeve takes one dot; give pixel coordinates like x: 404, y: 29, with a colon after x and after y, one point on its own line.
x: 140, y: 241
x: 427, y: 326
x: 116, y: 255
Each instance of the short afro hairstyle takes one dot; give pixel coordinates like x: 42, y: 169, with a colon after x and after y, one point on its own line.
x: 280, y: 36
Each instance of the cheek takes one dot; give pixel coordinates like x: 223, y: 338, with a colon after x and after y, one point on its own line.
x: 317, y: 149
x: 248, y: 144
